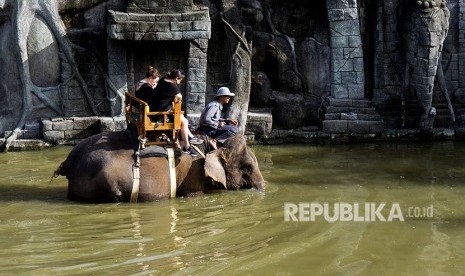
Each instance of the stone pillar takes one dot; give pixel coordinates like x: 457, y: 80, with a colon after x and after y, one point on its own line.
x: 348, y: 79
x: 197, y: 77
x: 346, y: 110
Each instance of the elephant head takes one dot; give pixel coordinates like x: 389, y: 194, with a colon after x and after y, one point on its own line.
x: 234, y: 166
x: 424, y: 30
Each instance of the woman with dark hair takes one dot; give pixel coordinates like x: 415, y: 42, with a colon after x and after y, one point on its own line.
x: 151, y: 77
x: 167, y: 88
x: 166, y: 91
x: 144, y: 88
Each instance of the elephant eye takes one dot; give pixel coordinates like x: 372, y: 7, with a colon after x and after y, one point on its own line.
x: 246, y: 168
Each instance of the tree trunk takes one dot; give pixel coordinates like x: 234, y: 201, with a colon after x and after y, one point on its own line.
x: 241, y: 62
x: 240, y: 84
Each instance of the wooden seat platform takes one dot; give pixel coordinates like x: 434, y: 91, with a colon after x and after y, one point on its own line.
x: 154, y: 127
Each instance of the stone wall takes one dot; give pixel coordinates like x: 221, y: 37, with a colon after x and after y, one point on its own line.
x: 165, y: 6
x: 312, y: 61
x: 389, y: 66
x: 70, y: 130
x: 348, y: 76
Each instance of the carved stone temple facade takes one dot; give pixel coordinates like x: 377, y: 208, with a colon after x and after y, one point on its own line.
x: 390, y: 69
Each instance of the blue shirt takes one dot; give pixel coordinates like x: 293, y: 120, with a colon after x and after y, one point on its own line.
x: 211, y: 114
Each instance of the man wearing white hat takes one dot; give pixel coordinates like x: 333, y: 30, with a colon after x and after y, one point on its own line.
x: 212, y: 122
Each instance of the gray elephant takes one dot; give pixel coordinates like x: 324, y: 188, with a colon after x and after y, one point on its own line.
x: 424, y: 29
x: 100, y: 169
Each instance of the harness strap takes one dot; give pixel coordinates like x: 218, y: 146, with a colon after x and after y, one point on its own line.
x: 172, y: 172
x: 135, y: 184
x: 136, y: 173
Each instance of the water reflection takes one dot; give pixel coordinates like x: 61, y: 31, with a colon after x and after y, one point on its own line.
x: 230, y: 233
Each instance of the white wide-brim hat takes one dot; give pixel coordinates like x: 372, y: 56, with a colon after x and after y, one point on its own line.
x: 224, y: 91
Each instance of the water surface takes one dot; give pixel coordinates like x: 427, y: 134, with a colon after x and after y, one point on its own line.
x: 245, y: 232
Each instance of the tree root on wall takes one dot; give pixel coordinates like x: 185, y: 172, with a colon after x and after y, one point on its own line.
x: 291, y: 42
x: 240, y: 73
x: 24, y: 11
x: 110, y: 87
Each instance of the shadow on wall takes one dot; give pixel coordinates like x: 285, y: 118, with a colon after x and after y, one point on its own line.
x: 291, y: 62
x: 9, y: 96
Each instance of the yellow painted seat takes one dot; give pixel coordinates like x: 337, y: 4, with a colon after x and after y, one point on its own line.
x: 156, y: 127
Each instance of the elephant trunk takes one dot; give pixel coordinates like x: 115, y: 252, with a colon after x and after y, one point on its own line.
x: 258, y: 181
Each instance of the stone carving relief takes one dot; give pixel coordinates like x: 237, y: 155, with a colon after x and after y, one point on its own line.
x: 305, y: 54
x: 36, y: 57
x: 424, y: 29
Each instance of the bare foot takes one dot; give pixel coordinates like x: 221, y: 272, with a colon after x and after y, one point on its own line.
x: 212, y: 143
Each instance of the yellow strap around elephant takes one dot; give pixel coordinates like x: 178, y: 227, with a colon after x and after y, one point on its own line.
x: 172, y: 171
x: 135, y: 184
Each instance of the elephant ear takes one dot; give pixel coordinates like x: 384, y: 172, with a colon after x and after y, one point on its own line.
x: 214, y: 167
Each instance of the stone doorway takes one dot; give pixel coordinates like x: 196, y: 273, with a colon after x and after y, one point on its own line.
x: 163, y: 55
x: 182, y: 26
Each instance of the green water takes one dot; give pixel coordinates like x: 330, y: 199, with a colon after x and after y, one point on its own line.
x: 245, y: 232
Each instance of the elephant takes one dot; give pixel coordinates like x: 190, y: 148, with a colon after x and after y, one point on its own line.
x: 99, y: 170
x: 424, y: 28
